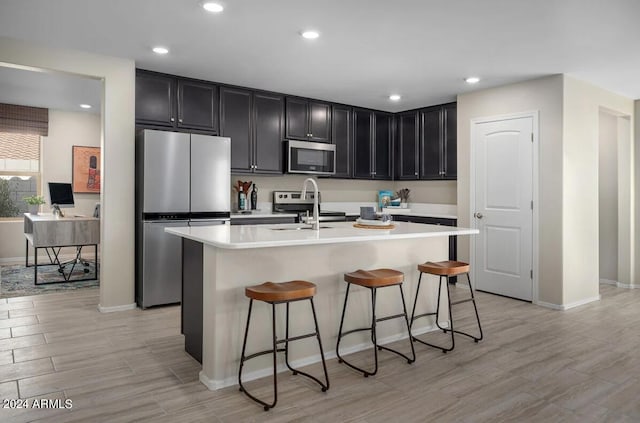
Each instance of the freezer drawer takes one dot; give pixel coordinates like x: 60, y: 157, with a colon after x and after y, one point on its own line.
x: 211, y: 222
x: 161, y: 265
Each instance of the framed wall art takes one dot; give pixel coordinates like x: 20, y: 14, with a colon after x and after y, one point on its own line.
x: 86, y: 169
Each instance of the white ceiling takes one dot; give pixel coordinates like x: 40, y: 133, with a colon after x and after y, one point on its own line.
x: 51, y: 90
x: 368, y: 49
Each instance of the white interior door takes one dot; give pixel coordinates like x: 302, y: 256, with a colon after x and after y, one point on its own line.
x: 503, y: 154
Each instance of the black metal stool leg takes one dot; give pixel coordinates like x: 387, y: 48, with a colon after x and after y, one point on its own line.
x: 475, y: 308
x: 406, y: 319
x: 324, y: 364
x: 317, y: 335
x: 244, y: 358
x: 373, y: 329
x: 473, y: 300
x: 374, y: 338
x: 437, y: 314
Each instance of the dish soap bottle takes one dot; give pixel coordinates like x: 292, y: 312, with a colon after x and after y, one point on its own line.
x: 242, y: 200
x: 254, y: 197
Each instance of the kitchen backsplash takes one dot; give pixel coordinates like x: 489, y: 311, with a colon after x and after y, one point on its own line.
x: 342, y: 190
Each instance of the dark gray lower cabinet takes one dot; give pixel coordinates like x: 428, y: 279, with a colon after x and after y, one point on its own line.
x: 191, y: 321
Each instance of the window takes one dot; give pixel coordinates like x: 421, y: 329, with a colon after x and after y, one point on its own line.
x: 19, y: 172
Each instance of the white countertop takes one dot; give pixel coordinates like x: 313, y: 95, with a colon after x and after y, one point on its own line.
x: 261, y: 236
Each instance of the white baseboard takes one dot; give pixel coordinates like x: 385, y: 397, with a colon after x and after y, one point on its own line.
x: 619, y: 284
x: 628, y: 285
x: 112, y: 309
x: 563, y: 307
x: 214, y: 384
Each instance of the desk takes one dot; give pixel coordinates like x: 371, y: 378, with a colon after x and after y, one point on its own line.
x: 52, y: 233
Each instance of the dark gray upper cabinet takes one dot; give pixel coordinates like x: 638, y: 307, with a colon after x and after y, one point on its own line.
x: 408, y: 145
x: 341, y: 136
x: 450, y: 141
x: 254, y: 122
x: 268, y: 131
x: 372, y: 144
x: 308, y: 120
x: 431, y: 143
x: 363, y: 143
x: 383, y: 142
x: 178, y: 103
x: 438, y: 141
x: 235, y: 123
x: 155, y: 99
x: 319, y: 122
x: 197, y: 105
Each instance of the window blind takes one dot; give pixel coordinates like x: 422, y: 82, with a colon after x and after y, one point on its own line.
x: 24, y: 119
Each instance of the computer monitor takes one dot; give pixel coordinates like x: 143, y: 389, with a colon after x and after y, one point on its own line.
x: 61, y: 194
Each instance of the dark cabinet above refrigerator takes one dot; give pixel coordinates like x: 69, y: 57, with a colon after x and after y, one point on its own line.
x: 176, y: 103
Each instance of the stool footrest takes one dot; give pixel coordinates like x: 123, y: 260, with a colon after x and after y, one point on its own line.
x: 475, y: 338
x: 422, y: 315
x: 295, y: 338
x: 462, y: 301
x: 395, y: 316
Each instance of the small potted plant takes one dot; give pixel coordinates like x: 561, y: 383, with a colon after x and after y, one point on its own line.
x: 403, y: 194
x: 34, y: 202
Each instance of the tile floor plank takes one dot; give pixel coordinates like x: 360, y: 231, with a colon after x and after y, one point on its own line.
x: 535, y: 364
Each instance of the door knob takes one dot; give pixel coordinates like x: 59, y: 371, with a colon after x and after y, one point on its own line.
x: 477, y: 215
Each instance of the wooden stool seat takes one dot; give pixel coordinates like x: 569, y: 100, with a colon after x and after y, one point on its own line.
x: 284, y: 291
x: 375, y: 278
x: 444, y: 268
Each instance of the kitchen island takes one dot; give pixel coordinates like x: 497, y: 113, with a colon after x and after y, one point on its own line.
x: 220, y: 261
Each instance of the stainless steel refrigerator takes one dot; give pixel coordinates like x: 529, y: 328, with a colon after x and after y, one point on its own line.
x: 181, y: 179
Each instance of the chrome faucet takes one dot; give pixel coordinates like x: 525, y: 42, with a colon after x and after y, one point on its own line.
x: 316, y: 212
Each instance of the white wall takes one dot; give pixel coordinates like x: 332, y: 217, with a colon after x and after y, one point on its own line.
x: 608, y: 196
x: 545, y: 96
x: 582, y: 103
x: 66, y: 129
x: 118, y: 124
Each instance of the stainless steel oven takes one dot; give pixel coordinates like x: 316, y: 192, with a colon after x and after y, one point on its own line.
x: 292, y: 202
x: 311, y: 157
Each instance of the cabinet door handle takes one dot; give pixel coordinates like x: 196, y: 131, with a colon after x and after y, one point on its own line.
x: 416, y: 173
x: 173, y: 119
x: 180, y: 120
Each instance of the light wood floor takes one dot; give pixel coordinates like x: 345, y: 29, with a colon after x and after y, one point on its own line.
x: 535, y: 364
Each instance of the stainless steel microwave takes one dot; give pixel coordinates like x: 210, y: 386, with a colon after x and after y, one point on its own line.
x: 310, y: 157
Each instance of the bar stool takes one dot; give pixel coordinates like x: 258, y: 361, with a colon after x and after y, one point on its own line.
x: 445, y: 270
x: 374, y: 279
x: 278, y: 293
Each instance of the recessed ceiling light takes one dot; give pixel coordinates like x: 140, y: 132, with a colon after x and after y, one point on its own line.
x: 310, y: 35
x: 212, y: 7
x: 85, y: 106
x: 472, y: 80
x: 160, y: 50
x: 395, y: 97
